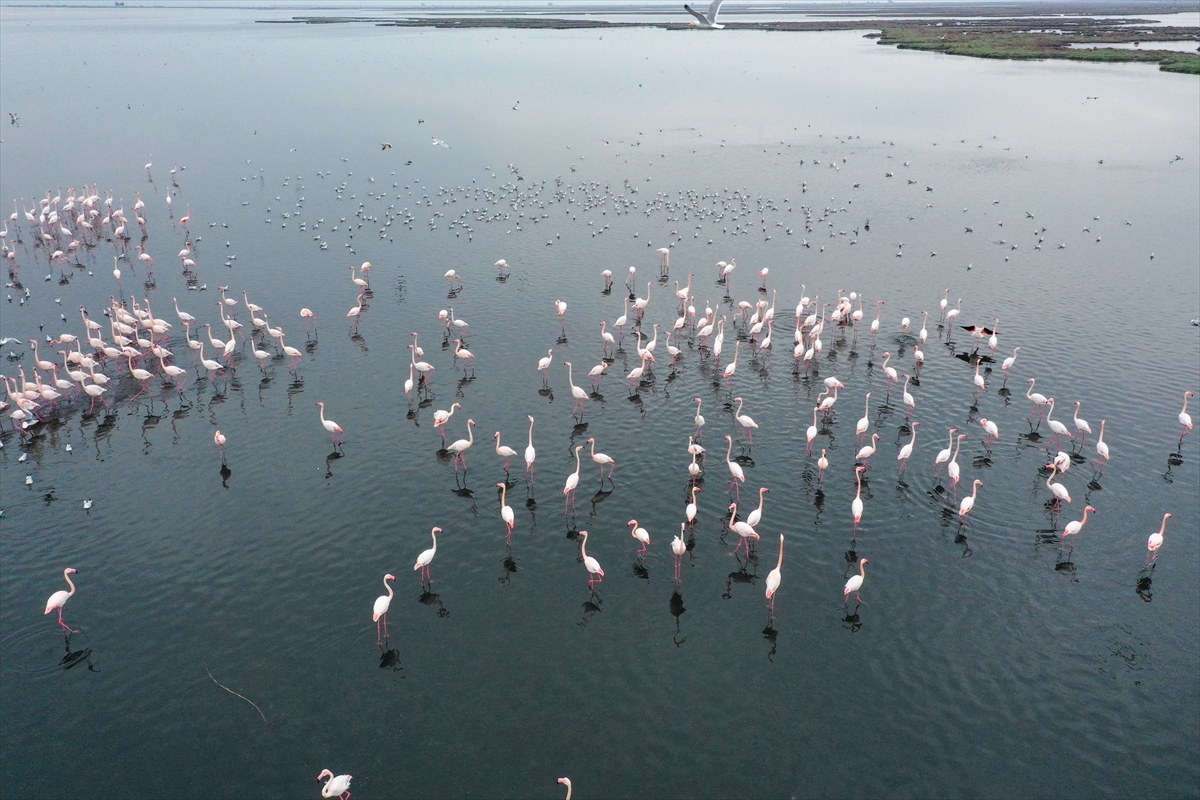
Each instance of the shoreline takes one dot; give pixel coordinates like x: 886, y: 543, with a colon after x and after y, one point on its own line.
x: 1000, y: 31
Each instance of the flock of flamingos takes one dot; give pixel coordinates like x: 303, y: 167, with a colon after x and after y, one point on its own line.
x: 130, y: 340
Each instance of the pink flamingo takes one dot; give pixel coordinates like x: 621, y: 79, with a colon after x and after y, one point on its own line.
x: 855, y: 583
x: 596, y: 575
x: 1152, y: 544
x: 639, y: 533
x: 775, y: 576
x: 335, y: 430
x: 1075, y: 526
x: 336, y: 786
x: 59, y: 598
x: 426, y: 557
x: 381, y: 607
x: 506, y: 512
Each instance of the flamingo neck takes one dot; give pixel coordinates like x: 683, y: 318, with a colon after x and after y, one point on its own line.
x: 1185, y: 398
x: 582, y: 552
x: 67, y: 573
x: 389, y: 588
x: 862, y: 568
x: 729, y: 450
x: 1161, y: 530
x: 779, y: 564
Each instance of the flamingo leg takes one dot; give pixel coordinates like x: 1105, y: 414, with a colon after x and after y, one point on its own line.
x: 62, y: 624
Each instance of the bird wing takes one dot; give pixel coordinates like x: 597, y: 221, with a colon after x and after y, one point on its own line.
x: 712, y: 11
x: 695, y: 14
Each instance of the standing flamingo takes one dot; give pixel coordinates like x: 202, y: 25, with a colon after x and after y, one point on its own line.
x: 530, y: 453
x: 856, y: 506
x: 865, y: 422
x: 381, y: 607
x: 741, y: 528
x: 755, y: 516
x: 335, y: 430
x: 572, y: 479
x: 968, y: 503
x: 1059, y: 429
x: 1057, y: 489
x: 219, y: 441
x: 639, y: 533
x: 855, y: 583
x: 1081, y: 425
x: 506, y: 512
x: 595, y: 575
x: 907, y: 450
x: 603, y: 460
x: 503, y: 450
x: 1101, y: 445
x: 460, y: 447
x: 944, y: 455
x: 440, y: 418
x: 1185, y: 419
x: 679, y: 547
x: 735, y: 469
x: 745, y: 420
x: 336, y: 786
x: 579, y: 394
x: 1076, y: 525
x: 690, y: 510
x: 1037, y: 398
x: 698, y: 419
x: 426, y: 557
x: 775, y: 576
x: 1152, y: 544
x: 60, y: 598
x: 952, y: 468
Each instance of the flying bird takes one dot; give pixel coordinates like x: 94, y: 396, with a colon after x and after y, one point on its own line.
x: 708, y: 20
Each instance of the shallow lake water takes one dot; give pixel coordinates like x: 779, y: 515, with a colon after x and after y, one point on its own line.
x: 988, y: 657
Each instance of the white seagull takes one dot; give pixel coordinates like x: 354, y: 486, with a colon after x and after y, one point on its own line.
x: 708, y: 20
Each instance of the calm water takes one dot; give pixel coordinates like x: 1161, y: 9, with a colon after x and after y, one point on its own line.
x: 984, y: 661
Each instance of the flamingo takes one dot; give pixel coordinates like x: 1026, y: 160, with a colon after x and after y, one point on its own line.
x: 440, y: 418
x: 679, y: 547
x: 865, y: 422
x: 907, y: 450
x: 579, y: 394
x: 822, y: 465
x: 745, y: 420
x: 1076, y: 525
x: 690, y: 510
x: 1101, y: 445
x: 954, y: 312
x: 544, y: 366
x: 878, y: 311
x: 731, y: 367
x: 908, y: 398
x: 944, y: 455
x: 335, y: 430
x: 621, y: 320
x: 991, y: 428
x: 735, y: 469
x: 1008, y: 362
x: 573, y: 478
x: 1081, y: 425
x: 1152, y: 544
x: 775, y: 576
x: 891, y: 373
x: 867, y: 450
x: 856, y: 506
x: 811, y: 433
x: 603, y: 460
x: 698, y: 419
x: 530, y: 453
x: 1057, y: 489
x: 924, y: 334
x: 506, y: 512
x: 595, y: 575
x: 980, y: 383
x: 464, y: 354
x: 426, y: 557
x: 567, y: 781
x: 503, y: 450
x: 1038, y: 399
x: 609, y: 340
x: 460, y: 447
x: 309, y: 318
x: 855, y: 583
x: 952, y: 468
x: 640, y: 534
x: 742, y: 529
x: 1185, y: 419
x: 338, y: 786
x: 968, y: 503
x: 755, y: 516
x: 1059, y: 429
x: 381, y: 607
x: 636, y: 373
x: 944, y: 302
x: 60, y: 598
x: 209, y: 364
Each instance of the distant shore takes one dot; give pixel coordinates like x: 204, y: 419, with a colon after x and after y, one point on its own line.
x: 1022, y: 31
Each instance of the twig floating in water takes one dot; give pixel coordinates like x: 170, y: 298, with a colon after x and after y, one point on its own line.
x: 231, y: 691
